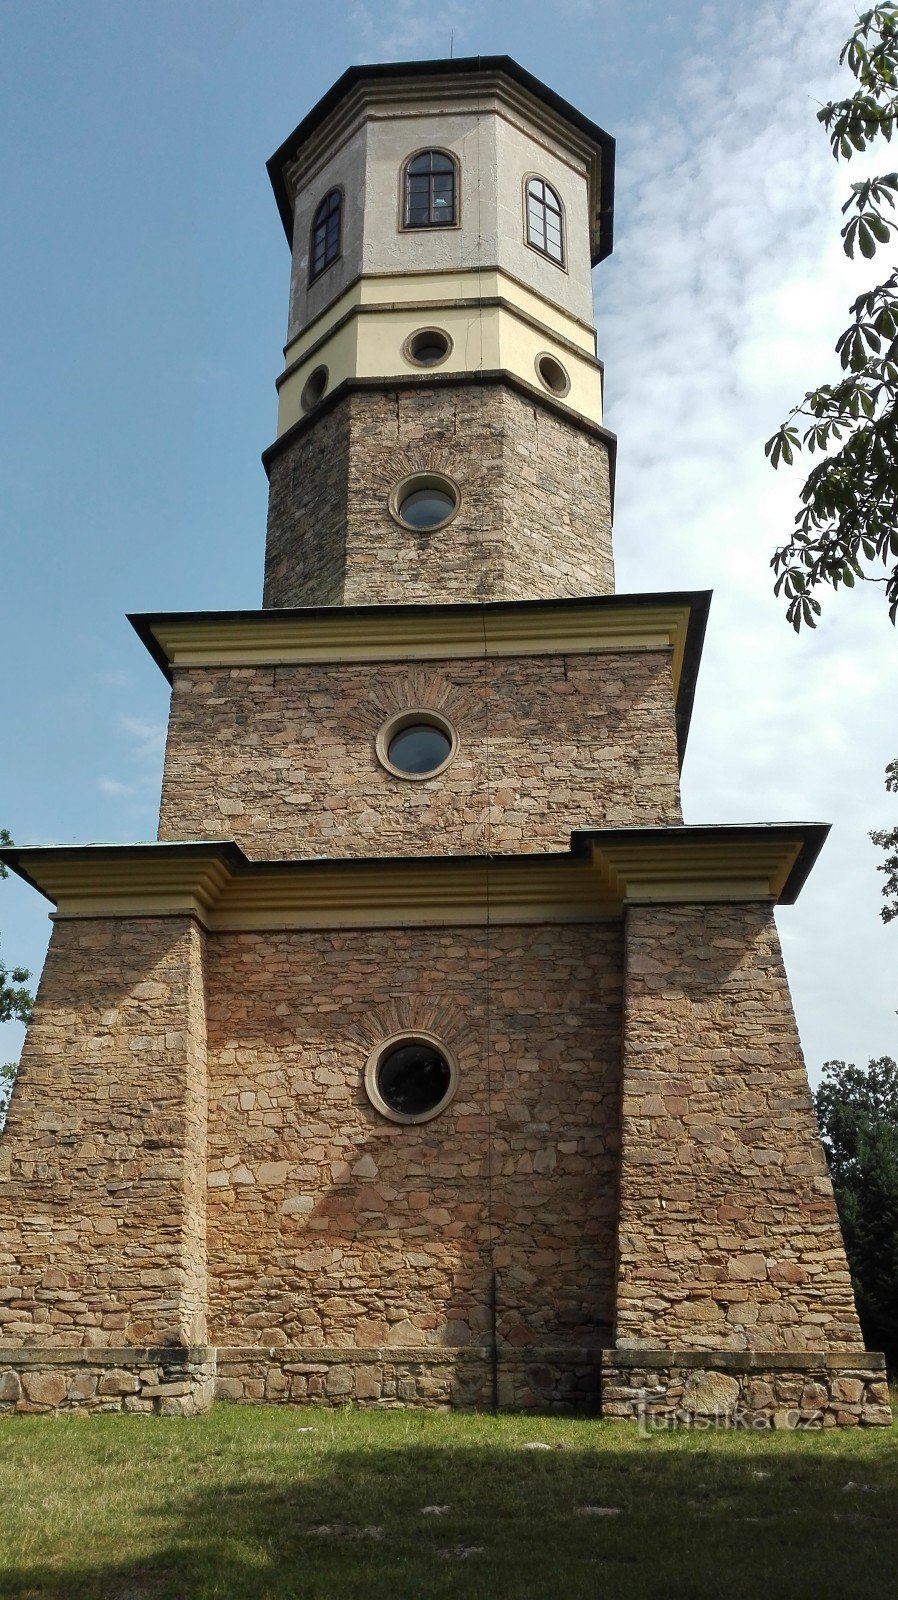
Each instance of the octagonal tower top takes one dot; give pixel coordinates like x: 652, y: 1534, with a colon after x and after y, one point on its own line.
x: 463, y: 186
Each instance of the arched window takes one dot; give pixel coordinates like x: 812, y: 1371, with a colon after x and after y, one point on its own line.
x: 545, y: 224
x: 324, y: 246
x: 430, y: 200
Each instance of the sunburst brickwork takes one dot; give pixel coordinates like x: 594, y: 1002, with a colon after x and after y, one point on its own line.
x: 283, y: 758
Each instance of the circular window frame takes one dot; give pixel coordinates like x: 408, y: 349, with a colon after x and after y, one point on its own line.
x: 423, y: 480
x: 394, y: 1042
x: 547, y: 355
x: 407, y: 719
x: 425, y: 333
x: 319, y: 373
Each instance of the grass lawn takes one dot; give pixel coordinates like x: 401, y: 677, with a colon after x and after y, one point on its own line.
x: 261, y: 1503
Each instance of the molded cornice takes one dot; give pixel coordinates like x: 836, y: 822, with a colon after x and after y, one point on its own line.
x: 606, y: 870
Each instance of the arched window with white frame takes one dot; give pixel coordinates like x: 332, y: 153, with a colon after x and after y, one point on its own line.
x: 544, y: 220
x: 430, y: 197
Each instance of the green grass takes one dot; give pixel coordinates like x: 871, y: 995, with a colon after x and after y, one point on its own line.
x: 244, y: 1503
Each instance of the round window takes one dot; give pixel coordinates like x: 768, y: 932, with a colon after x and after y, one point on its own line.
x: 416, y: 744
x: 427, y: 347
x: 424, y: 502
x: 410, y: 1077
x: 552, y: 374
x: 313, y: 388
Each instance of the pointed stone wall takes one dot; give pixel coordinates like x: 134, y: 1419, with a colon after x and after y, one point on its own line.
x: 103, y: 1160
x: 729, y: 1237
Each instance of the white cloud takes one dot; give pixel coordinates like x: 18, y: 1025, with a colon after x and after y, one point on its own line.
x: 142, y: 756
x: 147, y: 737
x: 720, y: 307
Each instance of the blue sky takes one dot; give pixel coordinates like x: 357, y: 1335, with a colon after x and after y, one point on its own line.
x: 143, y: 286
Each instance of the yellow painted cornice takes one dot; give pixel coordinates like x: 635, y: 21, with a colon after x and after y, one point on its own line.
x: 421, y: 632
x: 606, y: 870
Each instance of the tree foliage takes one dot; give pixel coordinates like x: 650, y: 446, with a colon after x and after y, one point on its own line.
x: 887, y: 839
x: 858, y: 1114
x: 15, y: 1004
x: 847, y: 526
x: 15, y: 999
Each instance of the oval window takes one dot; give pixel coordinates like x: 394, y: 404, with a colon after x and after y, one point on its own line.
x: 410, y: 1077
x: 416, y: 744
x: 419, y: 748
x: 424, y: 502
x: 427, y: 347
x: 552, y: 374
x: 313, y: 388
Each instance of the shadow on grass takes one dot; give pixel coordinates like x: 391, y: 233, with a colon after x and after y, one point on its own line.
x: 652, y: 1519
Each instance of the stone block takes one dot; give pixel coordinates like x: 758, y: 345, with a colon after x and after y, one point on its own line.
x: 10, y: 1387
x: 118, y: 1381
x: 340, y: 1382
x: 228, y: 1389
x: 82, y: 1387
x: 45, y: 1388
x: 849, y: 1390
x: 710, y: 1394
x: 368, y: 1383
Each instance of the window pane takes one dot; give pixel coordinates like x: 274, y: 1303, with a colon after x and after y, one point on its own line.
x: 413, y: 1078
x: 544, y: 221
x: 419, y: 748
x: 325, y: 240
x: 424, y: 508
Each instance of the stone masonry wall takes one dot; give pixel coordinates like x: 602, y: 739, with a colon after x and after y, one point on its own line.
x: 729, y: 1237
x: 745, y: 1389
x: 282, y: 758
x: 166, y: 1381
x: 534, y: 519
x: 102, y: 1163
x: 331, y: 1226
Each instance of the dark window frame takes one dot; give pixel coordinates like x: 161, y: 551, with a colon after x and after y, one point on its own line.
x: 544, y: 209
x: 323, y: 224
x: 424, y: 184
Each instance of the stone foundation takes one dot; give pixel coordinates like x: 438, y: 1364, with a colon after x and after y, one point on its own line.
x: 461, y: 1379
x: 745, y: 1388
x: 660, y: 1389
x: 167, y: 1382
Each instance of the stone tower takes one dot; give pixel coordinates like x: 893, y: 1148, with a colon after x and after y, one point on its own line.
x: 428, y: 1057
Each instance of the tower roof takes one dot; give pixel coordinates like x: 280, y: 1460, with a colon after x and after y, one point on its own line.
x: 600, y: 145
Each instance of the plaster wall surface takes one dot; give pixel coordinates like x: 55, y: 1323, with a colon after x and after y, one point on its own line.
x: 283, y: 758
x: 103, y: 1160
x: 330, y: 1225
x: 484, y: 337
x: 345, y: 169
x: 495, y: 150
x: 534, y: 517
x: 729, y: 1237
